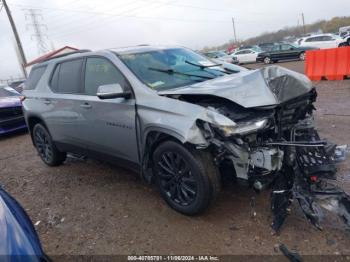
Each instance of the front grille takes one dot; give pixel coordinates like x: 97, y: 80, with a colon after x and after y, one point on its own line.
x: 10, y: 112
x: 11, y: 117
x: 12, y: 122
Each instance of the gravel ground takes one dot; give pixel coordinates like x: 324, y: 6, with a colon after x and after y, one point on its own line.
x: 88, y: 207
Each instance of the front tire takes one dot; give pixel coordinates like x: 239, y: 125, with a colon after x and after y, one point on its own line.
x: 187, y: 179
x: 46, y: 147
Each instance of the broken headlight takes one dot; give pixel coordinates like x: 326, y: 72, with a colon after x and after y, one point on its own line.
x: 243, y: 128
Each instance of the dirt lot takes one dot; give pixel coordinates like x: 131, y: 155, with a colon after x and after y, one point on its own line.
x: 88, y: 207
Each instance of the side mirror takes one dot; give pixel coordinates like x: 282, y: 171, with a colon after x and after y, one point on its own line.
x: 112, y: 91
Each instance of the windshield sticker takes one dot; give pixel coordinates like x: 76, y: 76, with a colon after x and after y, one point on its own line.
x: 156, y: 84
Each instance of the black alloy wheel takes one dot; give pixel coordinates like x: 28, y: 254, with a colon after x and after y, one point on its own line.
x: 187, y: 178
x: 46, y: 148
x: 176, y: 178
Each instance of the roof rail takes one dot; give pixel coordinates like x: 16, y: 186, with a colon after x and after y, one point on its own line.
x: 66, y: 54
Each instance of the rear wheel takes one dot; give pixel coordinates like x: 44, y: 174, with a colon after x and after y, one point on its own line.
x: 187, y: 179
x: 302, y: 56
x: 267, y: 60
x: 46, y: 147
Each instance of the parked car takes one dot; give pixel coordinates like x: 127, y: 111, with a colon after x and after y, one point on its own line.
x: 346, y: 36
x: 18, y: 239
x: 283, y: 51
x: 11, y: 115
x: 266, y: 46
x: 243, y: 47
x: 323, y: 41
x: 182, y: 121
x: 17, y: 85
x: 220, y: 55
x: 245, y: 56
x: 344, y: 31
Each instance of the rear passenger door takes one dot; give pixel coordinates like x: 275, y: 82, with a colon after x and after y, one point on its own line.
x: 328, y: 42
x: 64, y: 113
x: 111, y: 122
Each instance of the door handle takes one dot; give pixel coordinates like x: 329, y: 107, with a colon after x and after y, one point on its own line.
x: 86, y: 105
x: 47, y: 102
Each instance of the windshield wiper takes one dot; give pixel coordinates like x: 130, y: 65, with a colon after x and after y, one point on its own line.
x: 226, y: 71
x: 172, y: 71
x: 202, y: 66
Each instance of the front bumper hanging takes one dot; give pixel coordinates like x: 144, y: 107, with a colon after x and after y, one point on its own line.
x: 309, y: 176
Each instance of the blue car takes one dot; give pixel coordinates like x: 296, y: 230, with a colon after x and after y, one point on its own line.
x: 11, y: 115
x: 18, y: 238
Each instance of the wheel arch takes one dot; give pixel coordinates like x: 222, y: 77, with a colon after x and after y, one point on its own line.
x: 32, y: 120
x: 152, y: 138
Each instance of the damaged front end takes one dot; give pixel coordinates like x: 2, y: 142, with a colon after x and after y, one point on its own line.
x: 277, y: 146
x: 281, y: 148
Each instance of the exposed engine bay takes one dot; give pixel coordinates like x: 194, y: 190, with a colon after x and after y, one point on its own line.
x: 277, y: 147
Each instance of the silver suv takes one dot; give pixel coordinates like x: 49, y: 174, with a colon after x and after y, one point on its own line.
x: 183, y: 121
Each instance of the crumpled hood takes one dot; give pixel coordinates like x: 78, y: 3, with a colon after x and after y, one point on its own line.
x: 9, y: 102
x: 255, y: 88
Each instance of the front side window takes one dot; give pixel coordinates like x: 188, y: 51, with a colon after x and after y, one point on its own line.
x: 171, y: 68
x: 66, y: 78
x: 34, y: 77
x: 100, y: 71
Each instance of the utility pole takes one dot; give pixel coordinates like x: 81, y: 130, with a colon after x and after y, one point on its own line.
x: 302, y: 17
x: 234, y: 29
x: 23, y: 59
x: 34, y: 15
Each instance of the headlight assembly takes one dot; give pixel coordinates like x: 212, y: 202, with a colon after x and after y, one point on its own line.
x: 243, y: 128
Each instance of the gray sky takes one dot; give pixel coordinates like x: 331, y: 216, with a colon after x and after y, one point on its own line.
x: 103, y: 24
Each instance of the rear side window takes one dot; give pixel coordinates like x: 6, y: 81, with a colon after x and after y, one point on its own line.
x: 327, y: 38
x: 67, y: 77
x: 34, y: 77
x: 100, y: 71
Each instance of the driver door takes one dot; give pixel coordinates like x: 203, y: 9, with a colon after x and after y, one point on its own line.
x: 111, y: 122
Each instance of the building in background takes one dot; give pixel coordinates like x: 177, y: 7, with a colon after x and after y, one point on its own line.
x: 61, y: 51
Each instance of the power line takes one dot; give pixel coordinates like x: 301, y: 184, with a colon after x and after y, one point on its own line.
x: 58, y: 17
x: 39, y: 35
x: 118, y: 16
x: 94, y: 18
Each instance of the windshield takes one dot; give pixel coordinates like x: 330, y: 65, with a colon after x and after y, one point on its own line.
x: 8, y: 91
x: 171, y: 68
